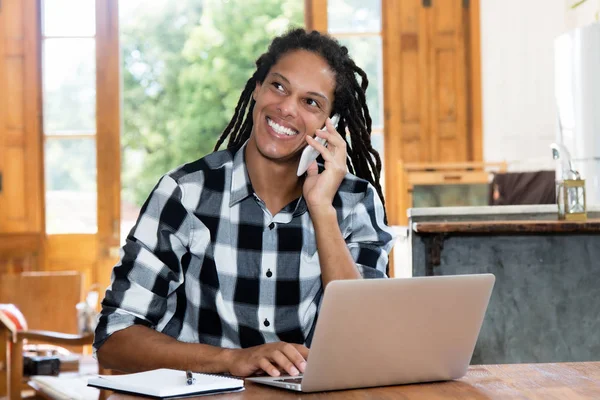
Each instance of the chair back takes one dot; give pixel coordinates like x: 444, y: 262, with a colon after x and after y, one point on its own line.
x: 46, y: 299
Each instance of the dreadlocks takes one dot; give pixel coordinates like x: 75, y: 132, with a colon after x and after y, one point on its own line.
x: 350, y: 101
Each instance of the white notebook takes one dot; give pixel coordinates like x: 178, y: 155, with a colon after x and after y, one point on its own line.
x: 66, y: 387
x: 166, y: 383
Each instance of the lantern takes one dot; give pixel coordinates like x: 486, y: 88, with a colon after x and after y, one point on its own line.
x: 571, y: 199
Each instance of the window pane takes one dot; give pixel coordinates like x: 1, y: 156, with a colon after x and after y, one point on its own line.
x: 71, y: 193
x: 69, y: 18
x: 366, y: 53
x: 69, y: 75
x: 351, y: 16
x: 377, y: 143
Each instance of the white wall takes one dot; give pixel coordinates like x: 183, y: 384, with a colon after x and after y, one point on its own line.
x: 517, y: 55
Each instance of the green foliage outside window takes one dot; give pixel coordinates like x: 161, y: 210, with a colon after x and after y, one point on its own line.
x: 184, y: 67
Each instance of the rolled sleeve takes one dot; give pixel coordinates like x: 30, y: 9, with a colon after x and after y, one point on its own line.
x: 370, y: 240
x: 150, y: 268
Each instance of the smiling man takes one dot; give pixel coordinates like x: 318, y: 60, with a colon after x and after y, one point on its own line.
x: 226, y: 266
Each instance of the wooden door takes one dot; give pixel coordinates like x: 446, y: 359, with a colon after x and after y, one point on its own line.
x: 83, y: 201
x: 432, y: 84
x: 446, y: 85
x: 21, y: 190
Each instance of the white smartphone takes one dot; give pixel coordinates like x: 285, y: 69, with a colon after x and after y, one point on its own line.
x: 309, y: 154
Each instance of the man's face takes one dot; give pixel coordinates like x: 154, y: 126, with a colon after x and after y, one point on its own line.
x: 294, y: 100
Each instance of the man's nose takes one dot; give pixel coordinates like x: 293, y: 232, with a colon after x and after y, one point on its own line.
x: 289, y: 106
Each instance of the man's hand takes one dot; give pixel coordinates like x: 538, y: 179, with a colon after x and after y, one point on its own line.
x: 319, y: 189
x: 270, y: 358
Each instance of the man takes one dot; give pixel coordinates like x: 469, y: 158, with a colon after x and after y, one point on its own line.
x: 226, y: 267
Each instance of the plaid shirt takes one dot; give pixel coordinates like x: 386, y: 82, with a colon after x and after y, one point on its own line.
x: 208, y: 263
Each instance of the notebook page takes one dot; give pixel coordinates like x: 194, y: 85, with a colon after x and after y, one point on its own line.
x: 66, y: 388
x: 166, y: 382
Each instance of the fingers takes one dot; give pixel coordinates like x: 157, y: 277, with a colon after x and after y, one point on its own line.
x: 284, y: 363
x: 319, y: 147
x: 303, y: 350
x: 290, y: 358
x: 336, y: 145
x: 313, y: 169
x: 334, y: 157
x: 331, y: 135
x: 298, y: 356
x: 269, y: 368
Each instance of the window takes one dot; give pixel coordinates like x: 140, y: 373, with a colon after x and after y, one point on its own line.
x: 69, y: 116
x: 357, y: 25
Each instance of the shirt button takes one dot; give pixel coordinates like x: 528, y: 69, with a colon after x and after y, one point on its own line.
x: 266, y: 323
x: 269, y: 273
x: 271, y: 225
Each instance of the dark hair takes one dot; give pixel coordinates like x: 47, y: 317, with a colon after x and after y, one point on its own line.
x: 350, y: 101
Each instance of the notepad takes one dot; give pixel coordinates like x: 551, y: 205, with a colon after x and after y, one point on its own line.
x: 65, y: 387
x: 166, y: 383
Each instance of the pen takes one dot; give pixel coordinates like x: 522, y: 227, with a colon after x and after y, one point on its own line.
x: 190, y: 378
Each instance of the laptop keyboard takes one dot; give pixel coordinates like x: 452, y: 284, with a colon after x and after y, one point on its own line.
x: 289, y: 380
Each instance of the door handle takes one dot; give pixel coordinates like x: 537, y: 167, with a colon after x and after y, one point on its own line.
x: 426, y: 3
x: 0, y: 174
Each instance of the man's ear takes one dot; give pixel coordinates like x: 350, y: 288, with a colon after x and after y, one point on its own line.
x: 256, y: 89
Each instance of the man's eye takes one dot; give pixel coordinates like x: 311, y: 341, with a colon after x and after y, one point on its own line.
x: 312, y: 103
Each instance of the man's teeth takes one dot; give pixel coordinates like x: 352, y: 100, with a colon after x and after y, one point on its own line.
x: 281, y: 129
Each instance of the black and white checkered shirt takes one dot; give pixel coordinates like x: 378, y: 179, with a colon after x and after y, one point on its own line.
x: 208, y: 263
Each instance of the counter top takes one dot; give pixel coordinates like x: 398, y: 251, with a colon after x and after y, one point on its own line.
x: 491, y: 210
x: 510, y: 226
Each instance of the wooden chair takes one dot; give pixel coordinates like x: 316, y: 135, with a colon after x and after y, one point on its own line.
x: 47, y: 300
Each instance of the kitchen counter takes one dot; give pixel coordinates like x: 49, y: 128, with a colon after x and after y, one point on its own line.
x: 520, y: 212
x: 546, y: 300
x: 508, y: 226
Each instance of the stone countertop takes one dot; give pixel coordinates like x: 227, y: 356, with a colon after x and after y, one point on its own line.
x: 509, y: 226
x: 491, y: 210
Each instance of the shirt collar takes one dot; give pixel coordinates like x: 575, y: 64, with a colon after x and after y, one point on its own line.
x: 241, y: 187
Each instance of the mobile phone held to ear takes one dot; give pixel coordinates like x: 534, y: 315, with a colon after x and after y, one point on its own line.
x: 309, y: 154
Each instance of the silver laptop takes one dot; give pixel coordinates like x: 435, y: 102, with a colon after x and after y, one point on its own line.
x: 393, y: 331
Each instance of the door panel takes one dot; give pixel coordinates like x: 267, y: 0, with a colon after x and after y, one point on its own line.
x: 15, y: 184
x: 21, y: 206
x: 448, y: 91
x: 431, y: 58
x: 414, y: 123
x: 73, y: 253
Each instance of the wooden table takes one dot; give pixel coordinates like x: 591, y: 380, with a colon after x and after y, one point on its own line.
x: 562, y: 381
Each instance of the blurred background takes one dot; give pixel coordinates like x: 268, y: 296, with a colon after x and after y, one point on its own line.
x: 100, y: 98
